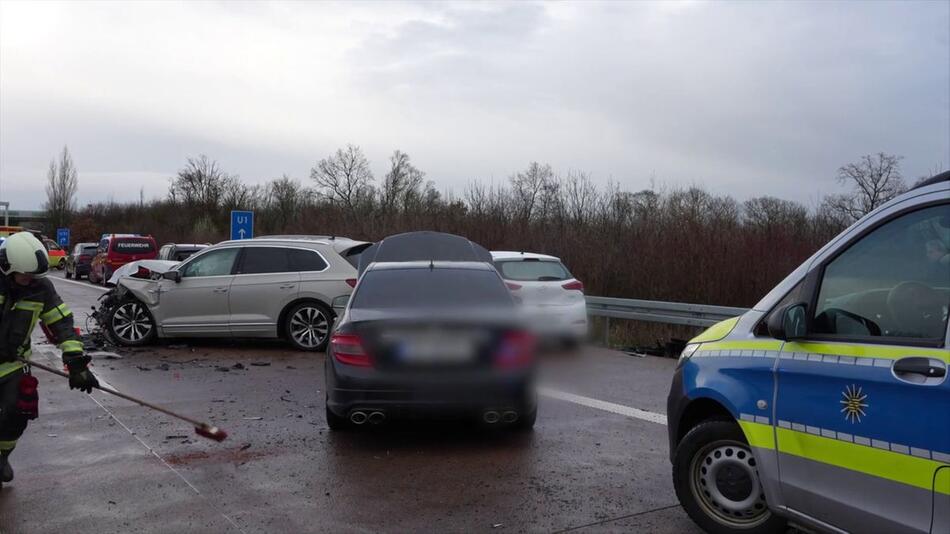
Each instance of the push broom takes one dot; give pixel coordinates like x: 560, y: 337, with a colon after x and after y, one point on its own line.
x: 204, y: 430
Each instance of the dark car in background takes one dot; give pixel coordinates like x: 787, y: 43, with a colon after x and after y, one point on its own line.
x: 430, y: 338
x: 115, y: 250
x: 180, y: 251
x: 79, y: 261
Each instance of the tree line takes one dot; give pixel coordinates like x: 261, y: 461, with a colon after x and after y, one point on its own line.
x: 661, y: 243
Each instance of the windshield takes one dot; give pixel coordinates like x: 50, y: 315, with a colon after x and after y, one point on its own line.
x: 532, y: 270
x: 132, y: 245
x: 419, y: 288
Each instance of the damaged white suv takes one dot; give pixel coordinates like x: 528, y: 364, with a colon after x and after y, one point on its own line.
x: 269, y: 287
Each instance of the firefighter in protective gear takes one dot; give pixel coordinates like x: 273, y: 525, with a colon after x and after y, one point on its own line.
x: 27, y: 297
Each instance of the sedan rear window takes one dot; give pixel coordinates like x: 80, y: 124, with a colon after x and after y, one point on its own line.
x: 532, y: 270
x: 424, y: 288
x: 132, y: 246
x: 89, y: 250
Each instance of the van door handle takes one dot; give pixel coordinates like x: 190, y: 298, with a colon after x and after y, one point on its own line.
x: 220, y: 290
x: 917, y: 365
x: 288, y: 286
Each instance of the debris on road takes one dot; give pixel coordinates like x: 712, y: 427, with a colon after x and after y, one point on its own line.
x: 238, y: 366
x: 260, y: 364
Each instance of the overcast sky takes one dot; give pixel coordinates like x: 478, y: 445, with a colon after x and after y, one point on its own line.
x: 742, y: 98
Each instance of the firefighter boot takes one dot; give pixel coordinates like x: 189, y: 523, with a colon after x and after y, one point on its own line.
x: 6, y: 471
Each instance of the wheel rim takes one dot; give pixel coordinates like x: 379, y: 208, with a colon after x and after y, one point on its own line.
x: 131, y: 322
x: 309, y: 326
x: 725, y: 481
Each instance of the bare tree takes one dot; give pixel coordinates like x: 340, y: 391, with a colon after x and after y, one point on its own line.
x: 201, y: 184
x: 286, y: 197
x: 402, y: 185
x: 528, y: 186
x: 345, y: 178
x: 61, y: 186
x: 874, y: 180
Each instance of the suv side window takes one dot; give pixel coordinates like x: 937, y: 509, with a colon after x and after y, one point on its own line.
x: 305, y: 260
x: 893, y: 282
x: 261, y: 260
x: 214, y: 263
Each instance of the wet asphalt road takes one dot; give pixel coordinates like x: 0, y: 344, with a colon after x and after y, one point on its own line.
x: 100, y: 464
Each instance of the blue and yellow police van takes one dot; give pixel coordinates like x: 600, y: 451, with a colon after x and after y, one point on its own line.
x: 827, y: 405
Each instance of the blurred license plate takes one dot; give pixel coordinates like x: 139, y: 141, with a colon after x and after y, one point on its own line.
x: 436, y: 348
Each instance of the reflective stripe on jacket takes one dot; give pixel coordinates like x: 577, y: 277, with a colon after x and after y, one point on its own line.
x: 21, y: 307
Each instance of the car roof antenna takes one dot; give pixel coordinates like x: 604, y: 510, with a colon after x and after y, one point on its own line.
x: 431, y: 265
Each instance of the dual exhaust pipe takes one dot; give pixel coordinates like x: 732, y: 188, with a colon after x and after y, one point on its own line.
x: 359, y: 417
x: 493, y: 417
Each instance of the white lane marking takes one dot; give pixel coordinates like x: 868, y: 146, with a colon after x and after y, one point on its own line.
x: 611, y: 407
x: 78, y: 283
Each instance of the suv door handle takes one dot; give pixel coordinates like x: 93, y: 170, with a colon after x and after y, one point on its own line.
x: 220, y: 290
x: 917, y: 365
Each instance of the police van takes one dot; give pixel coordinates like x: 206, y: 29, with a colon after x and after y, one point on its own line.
x: 828, y: 404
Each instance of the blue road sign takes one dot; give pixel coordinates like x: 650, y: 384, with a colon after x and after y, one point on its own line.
x: 242, y: 224
x: 62, y: 237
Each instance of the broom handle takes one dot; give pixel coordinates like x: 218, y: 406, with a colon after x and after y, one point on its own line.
x: 121, y: 395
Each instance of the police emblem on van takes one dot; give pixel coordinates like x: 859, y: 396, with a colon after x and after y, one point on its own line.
x: 853, y: 404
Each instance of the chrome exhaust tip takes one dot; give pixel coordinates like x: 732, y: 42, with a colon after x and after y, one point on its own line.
x: 509, y: 416
x: 377, y: 417
x: 358, y: 417
x: 491, y: 417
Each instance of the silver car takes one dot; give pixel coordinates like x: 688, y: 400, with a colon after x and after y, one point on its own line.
x: 271, y: 287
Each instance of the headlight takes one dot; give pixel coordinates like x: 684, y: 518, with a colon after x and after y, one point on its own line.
x: 688, y: 351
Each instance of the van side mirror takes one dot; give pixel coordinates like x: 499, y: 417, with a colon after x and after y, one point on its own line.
x: 172, y: 275
x: 789, y: 323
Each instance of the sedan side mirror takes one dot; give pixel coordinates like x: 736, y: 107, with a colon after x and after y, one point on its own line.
x: 789, y: 323
x: 172, y: 275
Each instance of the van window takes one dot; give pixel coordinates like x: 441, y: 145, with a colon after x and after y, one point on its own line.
x: 214, y: 263
x: 894, y: 282
x: 132, y: 245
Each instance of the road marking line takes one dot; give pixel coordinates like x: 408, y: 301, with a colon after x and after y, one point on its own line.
x: 611, y: 407
x: 89, y: 286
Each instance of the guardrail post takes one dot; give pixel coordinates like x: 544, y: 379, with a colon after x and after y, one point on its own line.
x: 607, y: 331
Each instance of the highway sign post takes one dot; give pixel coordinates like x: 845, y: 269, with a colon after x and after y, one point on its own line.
x: 242, y: 224
x: 62, y: 237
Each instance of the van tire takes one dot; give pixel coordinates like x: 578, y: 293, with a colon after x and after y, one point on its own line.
x: 693, y: 454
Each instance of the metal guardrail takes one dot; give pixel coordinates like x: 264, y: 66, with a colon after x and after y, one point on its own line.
x: 702, y: 315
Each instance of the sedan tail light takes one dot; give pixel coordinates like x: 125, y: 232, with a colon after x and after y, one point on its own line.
x: 574, y: 285
x: 516, y: 350
x: 348, y: 350
x: 84, y: 257
x: 513, y: 286
x: 351, y: 282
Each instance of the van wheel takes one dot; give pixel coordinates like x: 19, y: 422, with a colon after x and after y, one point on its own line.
x: 717, y: 481
x: 307, y: 326
x: 131, y: 324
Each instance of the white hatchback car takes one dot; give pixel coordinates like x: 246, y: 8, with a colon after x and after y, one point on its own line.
x: 552, y: 299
